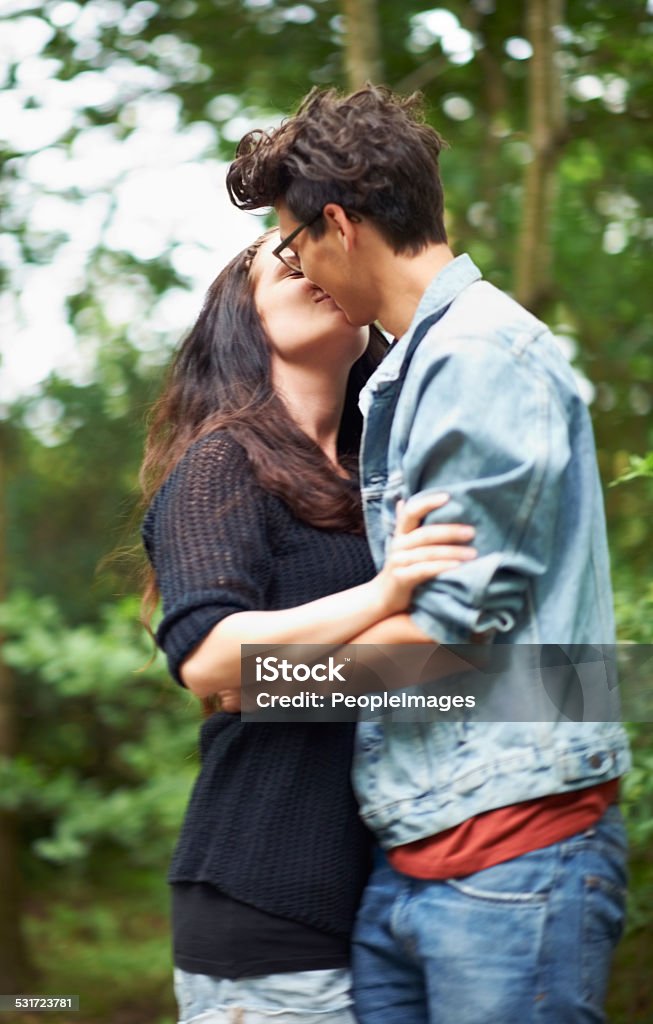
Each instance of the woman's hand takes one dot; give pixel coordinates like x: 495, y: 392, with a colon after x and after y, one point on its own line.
x: 419, y: 553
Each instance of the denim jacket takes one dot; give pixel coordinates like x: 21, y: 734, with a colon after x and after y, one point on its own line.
x: 487, y: 410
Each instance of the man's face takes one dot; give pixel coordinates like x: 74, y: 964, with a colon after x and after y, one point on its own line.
x: 328, y: 263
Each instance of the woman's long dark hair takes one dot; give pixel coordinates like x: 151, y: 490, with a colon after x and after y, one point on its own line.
x: 221, y: 379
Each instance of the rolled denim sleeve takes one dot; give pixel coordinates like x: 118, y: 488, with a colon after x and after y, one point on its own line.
x: 488, y: 429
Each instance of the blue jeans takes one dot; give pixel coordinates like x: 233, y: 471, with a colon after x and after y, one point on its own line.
x: 528, y: 941
x: 301, y: 997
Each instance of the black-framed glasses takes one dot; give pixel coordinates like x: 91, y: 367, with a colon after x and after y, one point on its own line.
x: 291, y: 259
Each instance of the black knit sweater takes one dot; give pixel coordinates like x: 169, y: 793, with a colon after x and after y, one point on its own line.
x: 272, y: 820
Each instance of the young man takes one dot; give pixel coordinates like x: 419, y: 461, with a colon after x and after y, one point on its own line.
x: 500, y: 895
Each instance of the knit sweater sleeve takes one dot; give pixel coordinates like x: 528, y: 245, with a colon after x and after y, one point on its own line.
x: 205, y: 535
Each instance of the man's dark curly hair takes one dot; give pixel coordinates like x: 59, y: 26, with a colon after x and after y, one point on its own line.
x: 370, y: 152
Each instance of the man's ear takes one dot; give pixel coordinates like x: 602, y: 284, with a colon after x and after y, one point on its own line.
x: 338, y: 221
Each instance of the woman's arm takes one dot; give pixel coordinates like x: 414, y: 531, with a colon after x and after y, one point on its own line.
x: 417, y: 553
x: 396, y: 629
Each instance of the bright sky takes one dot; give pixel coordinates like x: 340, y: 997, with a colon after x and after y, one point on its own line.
x: 152, y: 193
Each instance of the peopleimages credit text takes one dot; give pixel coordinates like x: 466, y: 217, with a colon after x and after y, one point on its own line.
x: 368, y: 701
x: 435, y: 682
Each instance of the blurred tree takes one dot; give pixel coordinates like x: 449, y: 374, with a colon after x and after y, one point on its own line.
x: 363, y: 60
x: 16, y: 970
x: 546, y: 134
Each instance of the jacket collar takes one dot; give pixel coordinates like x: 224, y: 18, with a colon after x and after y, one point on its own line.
x: 447, y: 284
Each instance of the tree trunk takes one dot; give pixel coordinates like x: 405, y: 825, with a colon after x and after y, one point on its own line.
x: 16, y: 971
x: 363, y: 61
x: 533, y: 270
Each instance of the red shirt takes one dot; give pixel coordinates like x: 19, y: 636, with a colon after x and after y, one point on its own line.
x: 502, y: 834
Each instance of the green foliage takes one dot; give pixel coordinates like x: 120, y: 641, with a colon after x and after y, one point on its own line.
x: 103, y: 736
x: 638, y: 796
x: 108, y: 943
x: 638, y: 466
x: 634, y: 611
x: 634, y: 608
x: 630, y: 1001
x: 72, y: 503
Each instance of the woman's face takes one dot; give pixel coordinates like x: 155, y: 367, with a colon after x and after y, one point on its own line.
x: 303, y: 323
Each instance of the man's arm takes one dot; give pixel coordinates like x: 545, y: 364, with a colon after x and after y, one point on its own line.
x: 487, y: 428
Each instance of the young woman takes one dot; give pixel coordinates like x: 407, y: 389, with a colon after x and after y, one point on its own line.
x: 254, y: 533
